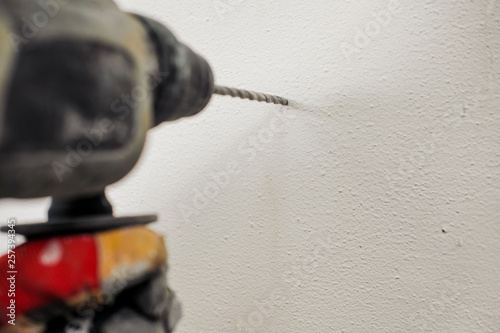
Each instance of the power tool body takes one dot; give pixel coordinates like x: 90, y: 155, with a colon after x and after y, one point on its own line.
x: 81, y: 83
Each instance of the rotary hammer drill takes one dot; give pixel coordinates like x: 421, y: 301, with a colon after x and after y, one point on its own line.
x: 81, y: 83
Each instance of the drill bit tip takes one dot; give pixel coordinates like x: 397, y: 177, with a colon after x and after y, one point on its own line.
x: 251, y: 95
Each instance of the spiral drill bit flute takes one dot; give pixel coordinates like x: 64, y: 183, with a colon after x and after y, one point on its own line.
x: 81, y: 83
x: 251, y: 95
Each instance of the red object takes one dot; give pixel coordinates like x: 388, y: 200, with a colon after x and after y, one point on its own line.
x: 47, y: 271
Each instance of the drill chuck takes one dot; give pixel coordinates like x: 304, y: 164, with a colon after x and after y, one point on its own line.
x: 188, y: 81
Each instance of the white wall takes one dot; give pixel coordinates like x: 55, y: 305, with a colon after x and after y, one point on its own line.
x: 371, y: 206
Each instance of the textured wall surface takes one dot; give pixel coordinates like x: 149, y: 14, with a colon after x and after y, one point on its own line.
x: 372, y: 205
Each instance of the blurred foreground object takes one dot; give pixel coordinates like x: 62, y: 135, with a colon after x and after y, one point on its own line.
x: 107, y: 282
x: 81, y: 83
x: 79, y: 93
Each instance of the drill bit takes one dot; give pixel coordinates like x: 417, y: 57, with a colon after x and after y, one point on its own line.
x: 251, y: 95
